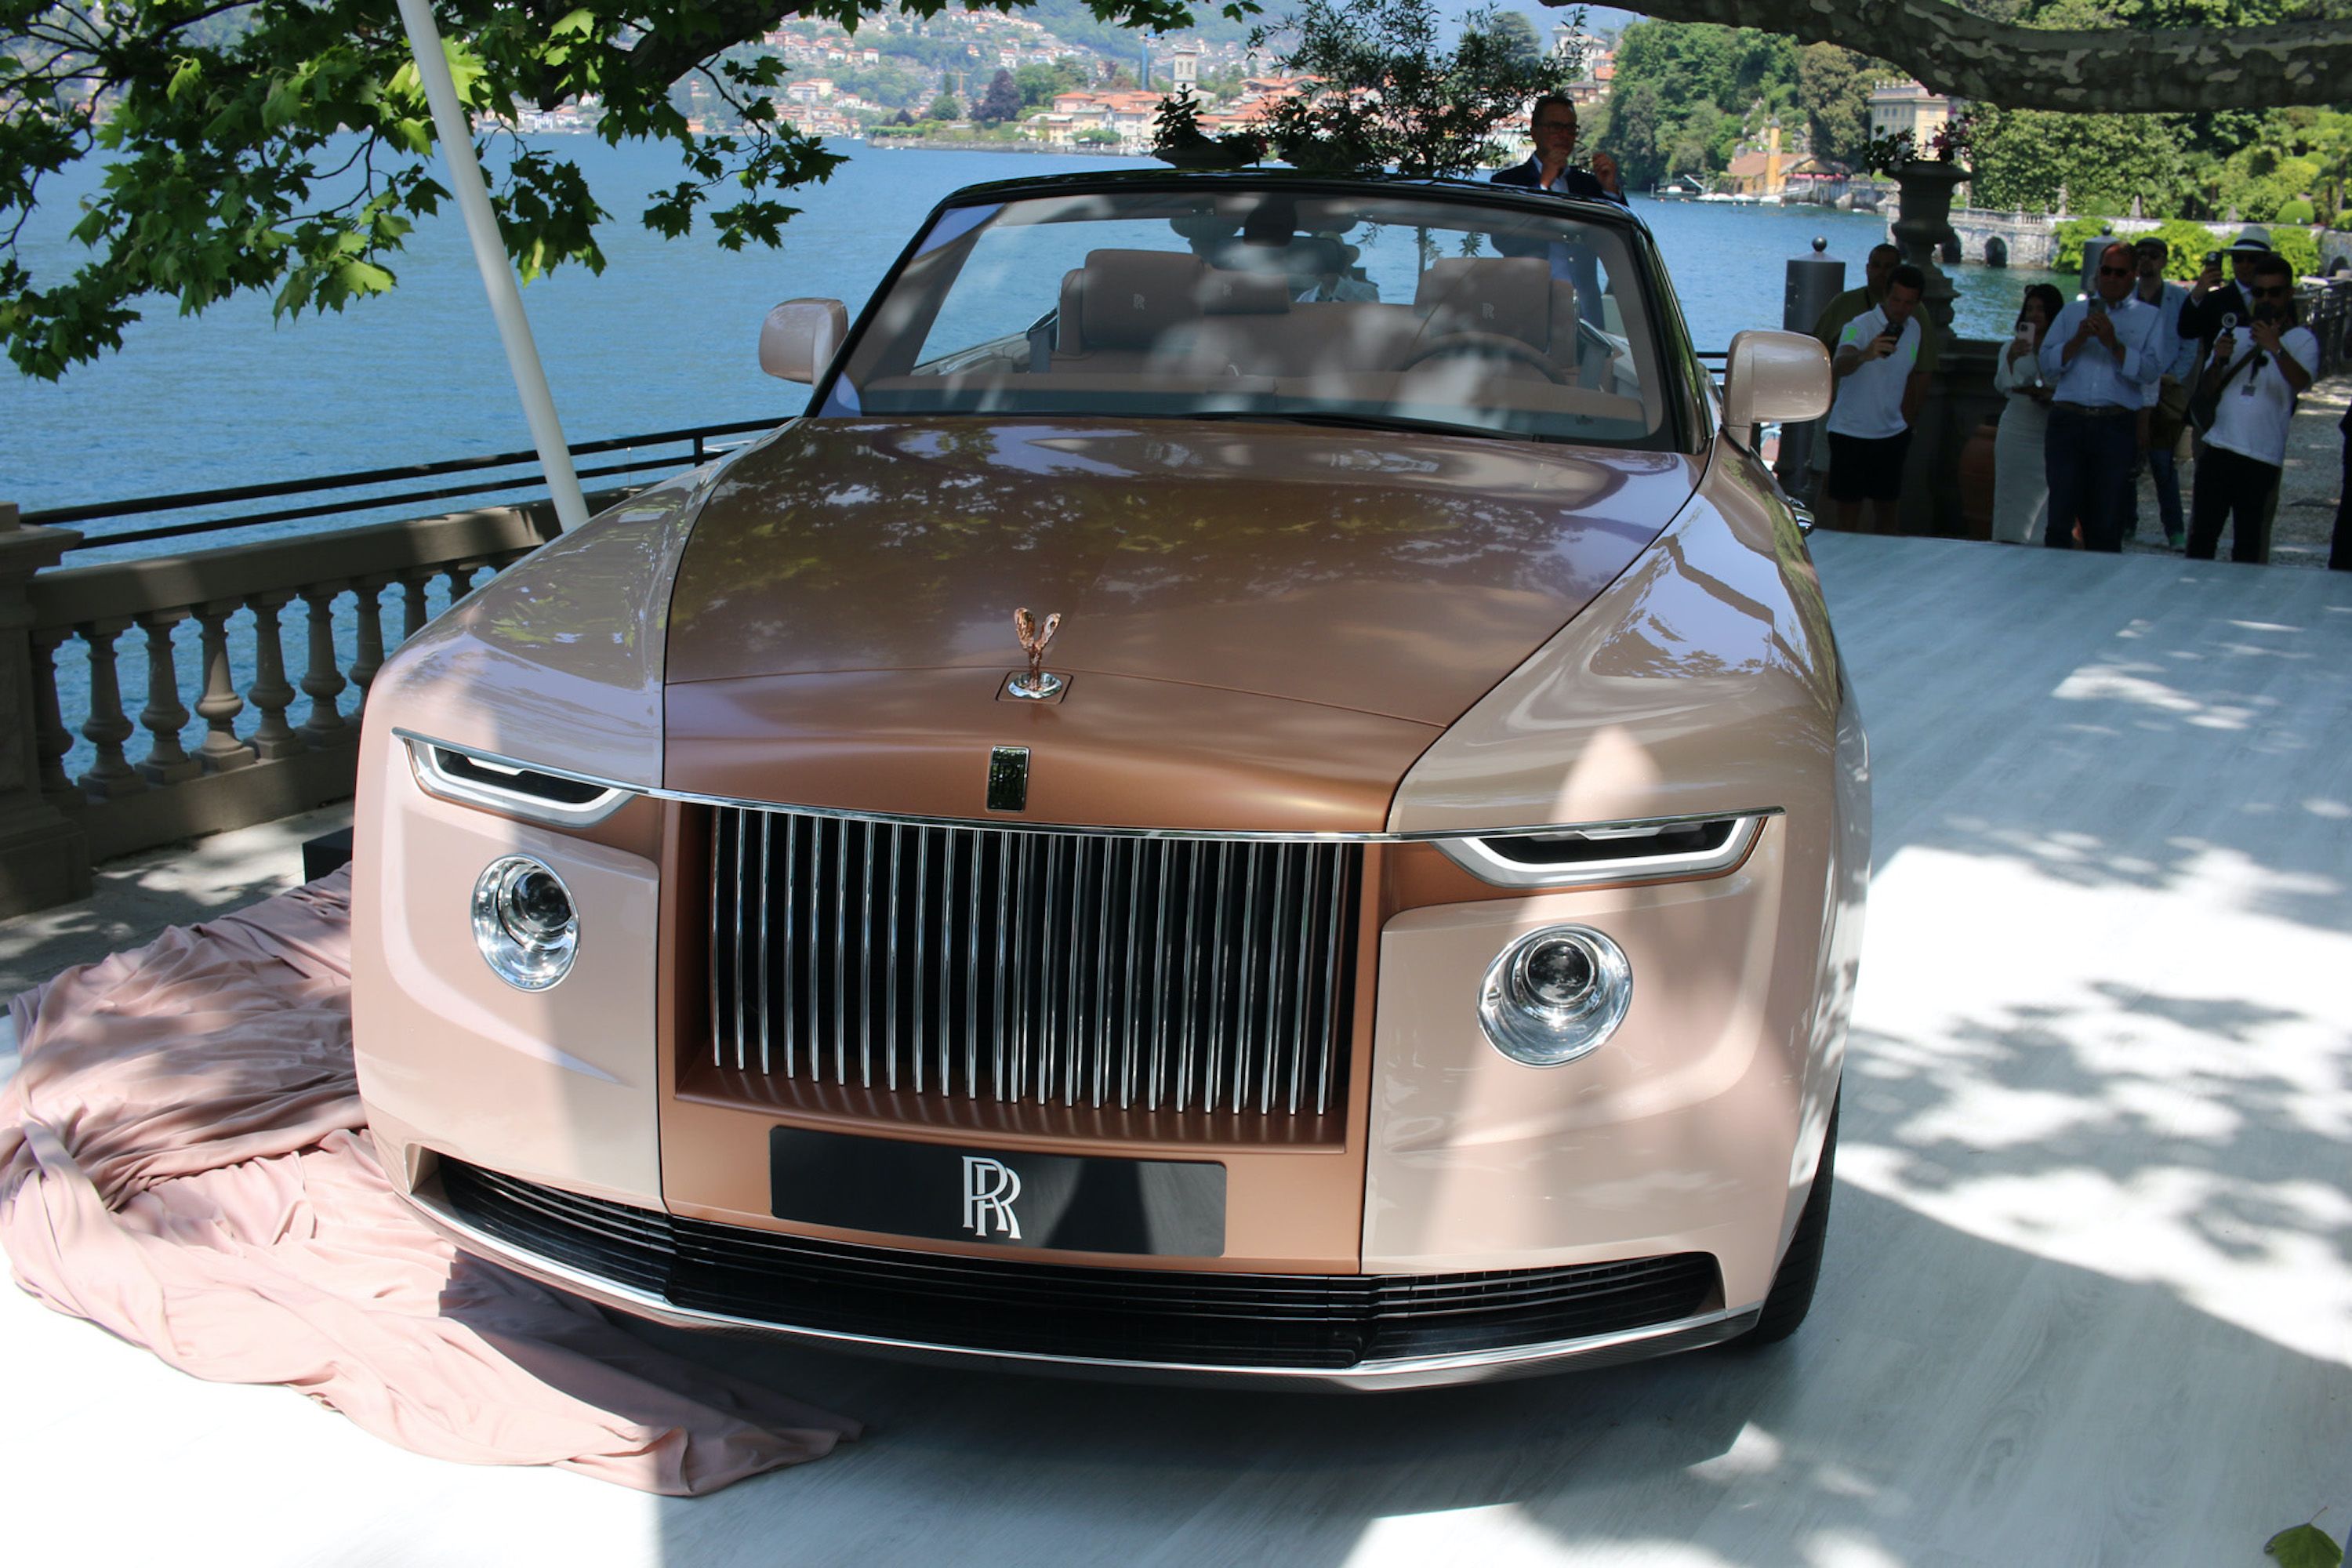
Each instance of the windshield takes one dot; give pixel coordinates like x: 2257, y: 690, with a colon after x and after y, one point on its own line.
x: 1364, y: 309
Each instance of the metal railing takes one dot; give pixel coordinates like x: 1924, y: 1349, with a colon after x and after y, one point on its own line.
x: 656, y: 452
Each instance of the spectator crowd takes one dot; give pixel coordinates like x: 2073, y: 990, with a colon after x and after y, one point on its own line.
x: 2095, y: 392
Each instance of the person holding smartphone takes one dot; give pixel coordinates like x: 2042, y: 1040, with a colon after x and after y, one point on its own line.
x: 1868, y: 426
x: 2260, y: 372
x: 2020, y: 493
x: 2100, y: 357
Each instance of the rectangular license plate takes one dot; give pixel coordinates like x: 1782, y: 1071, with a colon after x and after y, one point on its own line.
x: 1013, y: 1198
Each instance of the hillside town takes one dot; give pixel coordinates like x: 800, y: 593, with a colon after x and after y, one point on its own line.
x: 914, y: 78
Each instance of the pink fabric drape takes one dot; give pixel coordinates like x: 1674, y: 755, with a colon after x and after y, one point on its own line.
x: 182, y: 1162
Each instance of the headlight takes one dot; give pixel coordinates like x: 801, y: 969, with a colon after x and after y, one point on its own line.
x: 524, y: 923
x: 1554, y: 994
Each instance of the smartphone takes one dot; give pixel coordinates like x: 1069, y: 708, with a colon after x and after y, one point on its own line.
x: 2212, y: 259
x: 2098, y: 305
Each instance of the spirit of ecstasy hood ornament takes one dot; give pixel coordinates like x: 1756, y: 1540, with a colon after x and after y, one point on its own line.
x: 1039, y: 683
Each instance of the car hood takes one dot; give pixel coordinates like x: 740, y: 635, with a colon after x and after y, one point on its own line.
x: 1388, y: 573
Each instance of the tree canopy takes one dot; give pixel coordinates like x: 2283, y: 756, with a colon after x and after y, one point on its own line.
x: 2130, y: 56
x: 1390, y: 97
x: 284, y: 146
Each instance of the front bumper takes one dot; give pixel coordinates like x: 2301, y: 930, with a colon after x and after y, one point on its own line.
x: 1298, y: 1331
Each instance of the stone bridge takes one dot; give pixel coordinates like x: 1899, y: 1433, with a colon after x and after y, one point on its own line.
x: 2004, y: 239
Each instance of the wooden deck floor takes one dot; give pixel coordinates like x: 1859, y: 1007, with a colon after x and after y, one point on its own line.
x: 2088, y: 1293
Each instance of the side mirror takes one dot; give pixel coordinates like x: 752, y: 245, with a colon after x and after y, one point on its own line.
x: 798, y: 338
x: 1781, y: 377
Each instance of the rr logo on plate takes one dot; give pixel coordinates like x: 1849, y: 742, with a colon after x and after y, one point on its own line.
x: 990, y: 1187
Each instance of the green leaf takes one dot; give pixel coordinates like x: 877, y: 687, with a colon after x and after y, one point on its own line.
x: 188, y: 74
x: 2304, y: 1546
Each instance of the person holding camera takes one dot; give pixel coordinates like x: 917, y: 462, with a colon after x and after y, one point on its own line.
x: 1868, y: 426
x: 2211, y: 301
x: 2100, y: 358
x: 2258, y: 373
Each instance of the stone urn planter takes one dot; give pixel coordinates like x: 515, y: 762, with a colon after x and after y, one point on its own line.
x: 1923, y: 226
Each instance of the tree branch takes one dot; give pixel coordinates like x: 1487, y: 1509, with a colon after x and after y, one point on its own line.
x: 2120, y: 70
x: 667, y: 53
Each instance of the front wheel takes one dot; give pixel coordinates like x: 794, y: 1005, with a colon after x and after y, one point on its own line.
x: 1791, y: 1296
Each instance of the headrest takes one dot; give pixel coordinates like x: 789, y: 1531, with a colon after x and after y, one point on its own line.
x: 1511, y: 296
x: 1303, y: 255
x: 1225, y: 293
x: 1126, y: 299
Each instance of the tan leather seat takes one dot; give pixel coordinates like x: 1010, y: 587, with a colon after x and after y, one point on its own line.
x: 1512, y: 299
x: 1118, y: 307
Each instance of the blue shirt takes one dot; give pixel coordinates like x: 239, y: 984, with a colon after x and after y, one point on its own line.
x: 2094, y: 379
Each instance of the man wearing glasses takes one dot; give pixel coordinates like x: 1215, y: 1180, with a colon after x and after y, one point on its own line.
x: 2259, y: 377
x: 1553, y: 125
x: 1554, y: 128
x: 2100, y: 358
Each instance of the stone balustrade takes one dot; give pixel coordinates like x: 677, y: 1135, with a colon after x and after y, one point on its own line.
x: 189, y: 624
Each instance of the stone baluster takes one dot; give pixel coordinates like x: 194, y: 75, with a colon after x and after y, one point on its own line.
x: 44, y: 855
x: 110, y: 775
x: 413, y: 584
x: 322, y: 681
x: 219, y: 704
x: 273, y: 737
x: 165, y: 715
x: 369, y: 658
x: 51, y: 739
x: 460, y: 575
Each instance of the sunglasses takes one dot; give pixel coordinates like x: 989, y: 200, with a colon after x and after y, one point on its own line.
x: 2280, y: 292
x: 2116, y: 271
x: 1555, y: 124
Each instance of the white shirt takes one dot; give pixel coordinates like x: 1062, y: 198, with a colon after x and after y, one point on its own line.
x: 2092, y: 378
x: 2257, y: 404
x: 1870, y: 397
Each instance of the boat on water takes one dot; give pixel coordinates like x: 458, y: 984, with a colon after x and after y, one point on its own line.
x: 1681, y: 188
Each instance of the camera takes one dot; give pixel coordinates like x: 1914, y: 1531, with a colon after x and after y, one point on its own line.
x: 2098, y: 306
x: 2269, y: 311
x: 2212, y: 259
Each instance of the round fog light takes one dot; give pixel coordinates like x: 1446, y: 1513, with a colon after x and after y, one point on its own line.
x: 1554, y: 994
x: 524, y: 923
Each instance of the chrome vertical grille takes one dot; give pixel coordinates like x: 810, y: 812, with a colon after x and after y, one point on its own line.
x: 1011, y: 965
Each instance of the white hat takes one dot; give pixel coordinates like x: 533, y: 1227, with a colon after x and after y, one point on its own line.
x: 2254, y: 238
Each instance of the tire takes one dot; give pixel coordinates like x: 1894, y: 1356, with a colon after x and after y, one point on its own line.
x: 1791, y: 1296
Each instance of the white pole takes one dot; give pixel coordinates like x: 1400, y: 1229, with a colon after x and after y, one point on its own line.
x: 456, y: 129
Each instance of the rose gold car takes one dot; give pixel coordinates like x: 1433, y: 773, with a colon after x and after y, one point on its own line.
x: 1261, y: 789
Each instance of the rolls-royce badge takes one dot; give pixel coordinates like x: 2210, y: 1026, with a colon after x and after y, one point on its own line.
x: 1008, y: 778
x: 1039, y: 682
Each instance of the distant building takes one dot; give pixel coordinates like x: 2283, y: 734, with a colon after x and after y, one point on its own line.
x: 1896, y: 106
x: 1599, y: 64
x: 1184, y: 65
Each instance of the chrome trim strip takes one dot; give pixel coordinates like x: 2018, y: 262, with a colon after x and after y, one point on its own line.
x: 1474, y: 856
x: 1416, y: 1372
x: 690, y: 797
x: 718, y: 1000
x: 425, y: 768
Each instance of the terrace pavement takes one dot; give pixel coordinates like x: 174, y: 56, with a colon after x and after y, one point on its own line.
x: 2088, y: 1288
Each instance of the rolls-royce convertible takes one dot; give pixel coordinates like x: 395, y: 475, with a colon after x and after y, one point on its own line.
x: 1259, y: 790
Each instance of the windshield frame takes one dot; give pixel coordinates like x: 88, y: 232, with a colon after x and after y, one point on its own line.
x: 1683, y: 382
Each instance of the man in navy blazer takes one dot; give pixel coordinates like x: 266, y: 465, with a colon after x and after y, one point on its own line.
x: 1554, y: 128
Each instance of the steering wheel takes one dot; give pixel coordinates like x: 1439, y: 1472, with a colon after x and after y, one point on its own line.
x: 1486, y: 346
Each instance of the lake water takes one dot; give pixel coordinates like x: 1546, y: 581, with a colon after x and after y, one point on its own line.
x: 664, y: 338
